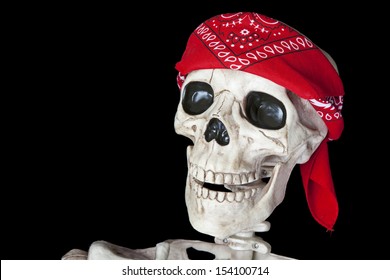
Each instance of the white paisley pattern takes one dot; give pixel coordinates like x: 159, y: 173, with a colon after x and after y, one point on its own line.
x: 328, y: 109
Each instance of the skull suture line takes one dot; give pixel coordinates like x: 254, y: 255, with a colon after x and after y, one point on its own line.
x: 246, y: 132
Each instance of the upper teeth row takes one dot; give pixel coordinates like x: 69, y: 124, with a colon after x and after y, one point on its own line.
x: 222, y: 196
x: 221, y: 178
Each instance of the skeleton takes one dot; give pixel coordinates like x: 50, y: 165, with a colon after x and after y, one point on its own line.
x: 248, y: 133
x: 237, y: 148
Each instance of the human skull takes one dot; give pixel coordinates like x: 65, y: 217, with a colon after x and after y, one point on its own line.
x: 248, y: 133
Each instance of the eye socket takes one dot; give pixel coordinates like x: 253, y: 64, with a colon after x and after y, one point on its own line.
x: 198, y: 97
x: 265, y: 111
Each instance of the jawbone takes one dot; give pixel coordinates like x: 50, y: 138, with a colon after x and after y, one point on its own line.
x: 243, y: 208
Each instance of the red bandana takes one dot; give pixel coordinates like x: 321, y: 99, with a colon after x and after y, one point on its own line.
x: 263, y: 46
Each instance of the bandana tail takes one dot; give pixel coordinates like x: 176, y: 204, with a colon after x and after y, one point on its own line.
x: 319, y: 188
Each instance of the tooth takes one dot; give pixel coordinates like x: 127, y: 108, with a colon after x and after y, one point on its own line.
x: 194, y: 185
x: 230, y: 197
x: 251, y: 177
x: 199, y: 174
x: 212, y: 194
x: 221, y: 196
x: 205, y: 192
x: 244, y: 179
x: 199, y: 192
x: 219, y: 179
x: 210, y: 177
x: 228, y: 179
x: 236, y: 179
x: 239, y: 196
x: 247, y: 194
x: 253, y: 191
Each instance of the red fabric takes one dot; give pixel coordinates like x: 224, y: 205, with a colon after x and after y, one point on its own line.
x: 263, y: 46
x: 319, y: 189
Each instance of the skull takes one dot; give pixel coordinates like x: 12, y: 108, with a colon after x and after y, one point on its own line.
x: 248, y: 133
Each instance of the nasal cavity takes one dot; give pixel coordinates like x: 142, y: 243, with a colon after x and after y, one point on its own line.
x: 217, y: 130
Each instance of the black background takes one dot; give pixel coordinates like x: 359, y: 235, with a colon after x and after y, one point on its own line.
x: 93, y: 154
